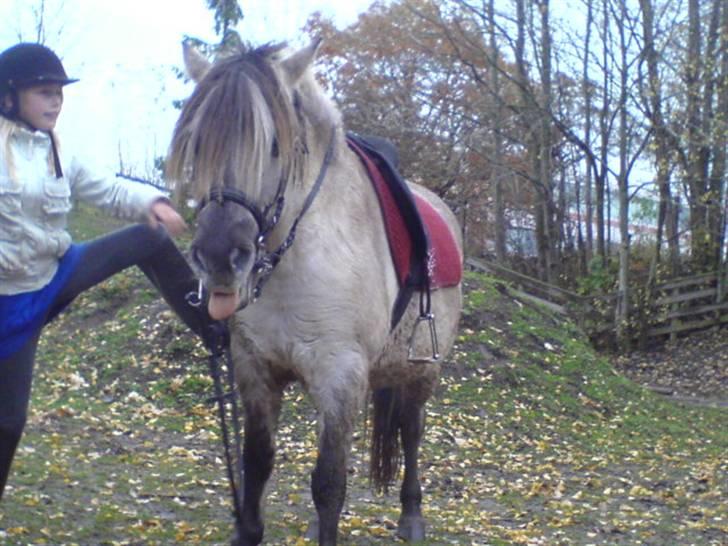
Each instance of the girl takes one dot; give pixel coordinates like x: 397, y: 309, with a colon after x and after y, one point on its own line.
x: 41, y: 270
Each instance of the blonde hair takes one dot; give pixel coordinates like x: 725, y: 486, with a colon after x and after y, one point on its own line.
x: 8, y: 128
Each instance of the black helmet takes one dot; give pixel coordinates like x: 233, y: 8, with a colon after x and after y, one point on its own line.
x: 28, y: 64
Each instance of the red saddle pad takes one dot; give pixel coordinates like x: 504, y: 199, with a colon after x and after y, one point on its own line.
x: 445, y: 266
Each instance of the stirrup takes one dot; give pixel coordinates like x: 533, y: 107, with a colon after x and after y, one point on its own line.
x: 430, y: 319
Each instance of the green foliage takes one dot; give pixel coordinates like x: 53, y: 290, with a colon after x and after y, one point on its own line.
x: 86, y: 222
x: 601, y: 278
x: 228, y: 13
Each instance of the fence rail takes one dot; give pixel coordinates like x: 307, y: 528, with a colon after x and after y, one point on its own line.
x: 680, y: 305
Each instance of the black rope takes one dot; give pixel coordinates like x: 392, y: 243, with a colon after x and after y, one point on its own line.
x: 56, y: 159
x: 234, y: 471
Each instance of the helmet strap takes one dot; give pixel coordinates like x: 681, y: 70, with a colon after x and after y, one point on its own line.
x: 56, y: 159
x: 10, y: 112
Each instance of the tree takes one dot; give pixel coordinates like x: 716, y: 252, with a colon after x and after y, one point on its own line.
x: 393, y: 76
x: 508, y: 114
x: 698, y: 140
x: 587, y: 94
x: 498, y: 171
x: 228, y: 13
x: 45, y: 25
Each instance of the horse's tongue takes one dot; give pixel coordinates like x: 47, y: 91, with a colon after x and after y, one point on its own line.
x: 222, y: 305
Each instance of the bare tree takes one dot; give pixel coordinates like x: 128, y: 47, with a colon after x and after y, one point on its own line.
x: 623, y: 288
x: 498, y: 171
x: 41, y: 21
x: 587, y: 93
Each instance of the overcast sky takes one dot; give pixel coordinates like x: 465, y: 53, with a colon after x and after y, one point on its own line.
x: 124, y: 52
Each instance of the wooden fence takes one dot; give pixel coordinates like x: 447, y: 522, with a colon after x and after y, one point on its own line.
x: 687, y: 304
x: 679, y: 306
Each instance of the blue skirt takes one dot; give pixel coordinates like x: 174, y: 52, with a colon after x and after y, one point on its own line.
x: 21, y: 315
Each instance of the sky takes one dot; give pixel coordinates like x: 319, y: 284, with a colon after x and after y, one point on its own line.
x: 124, y: 52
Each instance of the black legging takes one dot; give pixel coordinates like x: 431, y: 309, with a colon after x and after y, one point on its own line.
x: 156, y: 254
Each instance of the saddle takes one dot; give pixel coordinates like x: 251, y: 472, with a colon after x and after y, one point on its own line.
x: 421, y: 244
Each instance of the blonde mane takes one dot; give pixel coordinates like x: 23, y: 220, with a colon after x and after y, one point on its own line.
x: 237, y: 113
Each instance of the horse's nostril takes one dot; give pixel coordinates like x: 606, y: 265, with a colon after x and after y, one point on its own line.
x: 239, y: 258
x: 197, y: 260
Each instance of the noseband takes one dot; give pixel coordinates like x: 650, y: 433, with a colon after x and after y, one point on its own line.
x: 266, y: 261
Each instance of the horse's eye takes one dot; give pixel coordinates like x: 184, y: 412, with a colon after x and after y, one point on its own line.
x: 274, y: 151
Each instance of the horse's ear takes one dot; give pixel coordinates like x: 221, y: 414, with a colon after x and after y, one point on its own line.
x: 296, y: 64
x: 196, y: 64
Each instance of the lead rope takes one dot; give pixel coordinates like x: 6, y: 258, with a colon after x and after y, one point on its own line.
x: 221, y: 347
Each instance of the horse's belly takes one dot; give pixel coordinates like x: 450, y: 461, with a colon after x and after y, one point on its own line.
x: 393, y: 367
x: 402, y: 372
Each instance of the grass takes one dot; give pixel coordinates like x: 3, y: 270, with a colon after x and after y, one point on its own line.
x: 533, y: 438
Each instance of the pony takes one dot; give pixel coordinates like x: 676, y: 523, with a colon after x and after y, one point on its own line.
x: 292, y: 253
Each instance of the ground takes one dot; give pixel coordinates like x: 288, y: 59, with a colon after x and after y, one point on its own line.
x: 693, y: 369
x: 532, y: 438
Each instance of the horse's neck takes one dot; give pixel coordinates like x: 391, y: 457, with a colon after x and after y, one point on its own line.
x: 300, y: 191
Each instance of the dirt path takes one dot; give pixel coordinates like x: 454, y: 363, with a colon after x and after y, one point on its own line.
x: 690, y: 370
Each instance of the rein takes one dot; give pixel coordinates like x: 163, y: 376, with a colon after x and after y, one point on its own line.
x: 227, y: 407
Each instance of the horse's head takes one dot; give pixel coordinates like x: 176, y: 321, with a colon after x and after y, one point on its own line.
x: 240, y: 143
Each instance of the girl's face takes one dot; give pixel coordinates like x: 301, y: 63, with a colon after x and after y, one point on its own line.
x: 40, y: 105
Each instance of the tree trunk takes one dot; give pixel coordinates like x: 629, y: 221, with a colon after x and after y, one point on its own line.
x: 550, y: 238
x: 500, y: 214
x: 661, y: 151
x: 532, y: 141
x: 587, y: 93
x: 697, y: 158
x: 718, y: 128
x: 623, y: 297
x: 600, y: 182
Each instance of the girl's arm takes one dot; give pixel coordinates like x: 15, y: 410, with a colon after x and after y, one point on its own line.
x: 124, y: 198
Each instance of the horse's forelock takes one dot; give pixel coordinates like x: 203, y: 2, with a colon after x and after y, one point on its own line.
x: 227, y: 126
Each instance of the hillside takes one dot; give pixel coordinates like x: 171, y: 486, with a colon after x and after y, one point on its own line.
x: 532, y: 439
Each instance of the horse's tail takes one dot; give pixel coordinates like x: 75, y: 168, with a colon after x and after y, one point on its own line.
x: 385, y: 454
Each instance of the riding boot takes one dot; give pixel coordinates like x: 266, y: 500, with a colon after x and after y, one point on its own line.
x: 170, y: 273
x: 15, y: 388
x: 9, y: 439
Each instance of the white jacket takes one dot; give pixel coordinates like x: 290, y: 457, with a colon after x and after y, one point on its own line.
x: 34, y: 205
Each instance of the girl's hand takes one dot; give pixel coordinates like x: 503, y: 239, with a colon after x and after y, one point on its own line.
x: 162, y: 212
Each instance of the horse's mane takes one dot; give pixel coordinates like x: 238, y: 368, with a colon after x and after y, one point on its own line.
x: 231, y: 122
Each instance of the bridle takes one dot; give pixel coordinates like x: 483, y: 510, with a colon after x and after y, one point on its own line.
x: 267, y: 219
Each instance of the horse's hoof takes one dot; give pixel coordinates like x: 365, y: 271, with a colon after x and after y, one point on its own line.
x: 237, y: 540
x: 411, y: 529
x: 240, y: 539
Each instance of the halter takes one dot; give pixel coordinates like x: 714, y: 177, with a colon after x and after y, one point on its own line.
x: 266, y: 261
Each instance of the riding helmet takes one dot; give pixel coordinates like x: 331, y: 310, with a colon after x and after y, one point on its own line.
x: 28, y: 64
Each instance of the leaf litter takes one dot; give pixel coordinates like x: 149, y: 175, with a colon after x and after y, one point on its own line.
x: 532, y: 439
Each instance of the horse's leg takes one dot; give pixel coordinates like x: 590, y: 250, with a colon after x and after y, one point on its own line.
x: 261, y: 419
x: 412, y: 424
x: 328, y: 480
x: 338, y: 409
